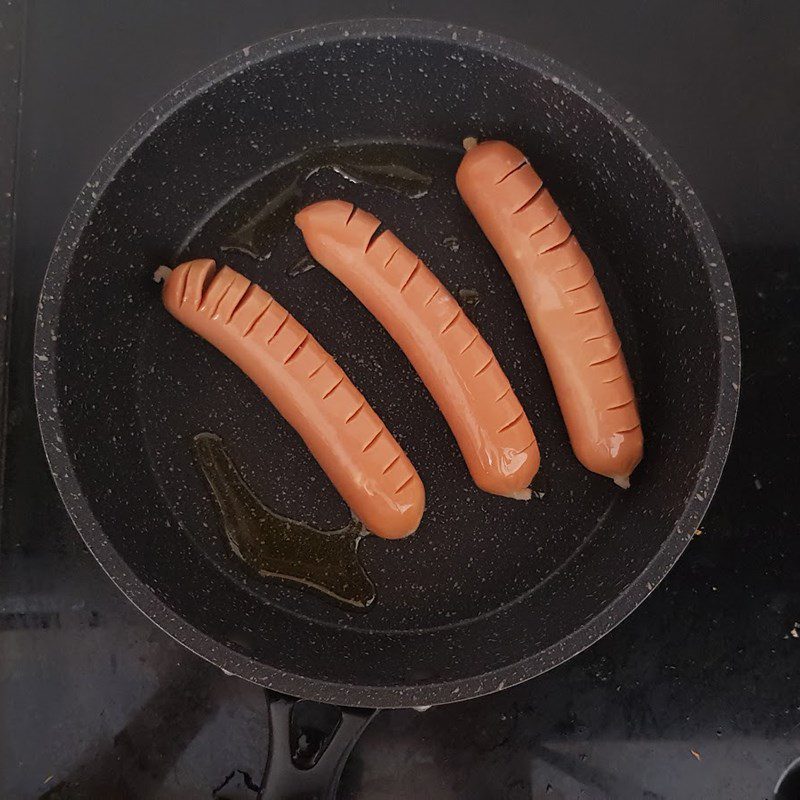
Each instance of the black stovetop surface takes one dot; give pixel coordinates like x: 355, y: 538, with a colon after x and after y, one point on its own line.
x: 694, y: 696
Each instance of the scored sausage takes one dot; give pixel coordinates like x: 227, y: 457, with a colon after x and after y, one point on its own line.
x: 564, y: 303
x: 362, y: 459
x: 444, y: 347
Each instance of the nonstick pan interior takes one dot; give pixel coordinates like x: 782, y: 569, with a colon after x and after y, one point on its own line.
x: 489, y: 591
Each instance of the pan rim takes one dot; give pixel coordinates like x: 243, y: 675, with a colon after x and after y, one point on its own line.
x: 386, y: 696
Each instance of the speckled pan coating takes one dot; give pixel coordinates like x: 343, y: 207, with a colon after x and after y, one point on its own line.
x: 489, y: 592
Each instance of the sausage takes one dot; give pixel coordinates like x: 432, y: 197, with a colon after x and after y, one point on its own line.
x: 564, y: 303
x: 452, y: 358
x: 362, y: 459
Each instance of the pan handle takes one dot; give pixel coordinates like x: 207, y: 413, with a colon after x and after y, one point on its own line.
x: 308, y: 747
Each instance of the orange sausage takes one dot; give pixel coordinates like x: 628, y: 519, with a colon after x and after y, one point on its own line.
x: 443, y: 345
x: 364, y: 462
x: 564, y: 303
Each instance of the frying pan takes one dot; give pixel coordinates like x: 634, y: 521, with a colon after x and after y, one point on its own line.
x: 488, y: 592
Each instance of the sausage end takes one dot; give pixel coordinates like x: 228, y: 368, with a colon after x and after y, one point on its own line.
x: 404, y: 519
x: 323, y: 212
x: 623, y: 481
x: 162, y: 274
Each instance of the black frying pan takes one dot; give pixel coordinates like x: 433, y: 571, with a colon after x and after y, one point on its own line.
x: 489, y: 592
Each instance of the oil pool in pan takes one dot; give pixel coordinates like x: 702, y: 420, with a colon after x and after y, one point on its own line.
x: 389, y: 166
x: 275, y: 546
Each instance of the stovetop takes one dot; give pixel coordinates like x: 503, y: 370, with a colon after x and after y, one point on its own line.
x: 694, y: 696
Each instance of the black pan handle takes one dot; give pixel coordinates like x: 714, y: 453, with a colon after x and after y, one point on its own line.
x: 309, y: 744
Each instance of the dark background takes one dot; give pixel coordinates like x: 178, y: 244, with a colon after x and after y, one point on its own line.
x: 96, y: 702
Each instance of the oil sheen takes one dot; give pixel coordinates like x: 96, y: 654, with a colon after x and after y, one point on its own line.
x: 277, y: 547
x: 395, y: 167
